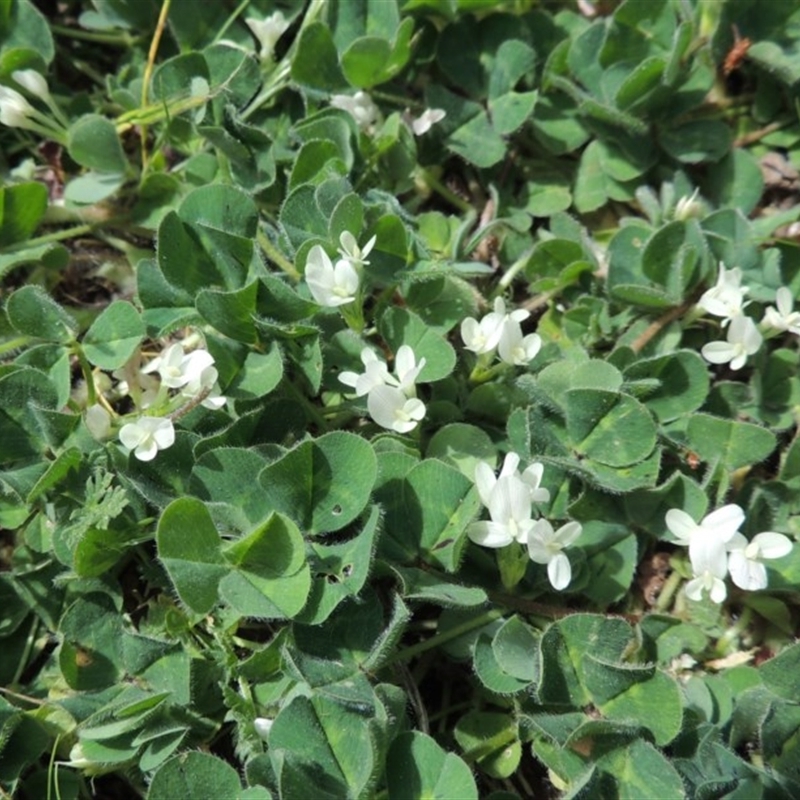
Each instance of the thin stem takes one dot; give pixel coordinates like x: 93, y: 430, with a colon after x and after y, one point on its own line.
x: 275, y: 255
x: 407, y: 653
x: 231, y: 19
x: 430, y: 180
x: 148, y: 70
x: 652, y: 330
x: 88, y: 375
x: 512, y: 272
x: 668, y: 590
x: 56, y: 236
x: 25, y: 698
x: 120, y: 39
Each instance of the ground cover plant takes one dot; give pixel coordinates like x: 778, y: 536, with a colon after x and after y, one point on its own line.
x: 399, y: 399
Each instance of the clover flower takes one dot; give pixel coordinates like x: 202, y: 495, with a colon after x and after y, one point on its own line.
x: 485, y: 479
x: 500, y: 329
x: 330, y: 285
x: 267, y: 32
x: 98, y: 421
x: 350, y: 251
x: 546, y: 546
x: 784, y: 317
x: 425, y: 121
x: 745, y: 557
x: 15, y: 110
x: 205, y: 383
x: 147, y: 436
x: 509, y: 504
x: 391, y: 399
x: 743, y: 340
x: 32, y: 82
x: 177, y: 368
x: 726, y: 298
x: 709, y: 570
x: 360, y: 106
x: 688, y: 206
x: 263, y: 726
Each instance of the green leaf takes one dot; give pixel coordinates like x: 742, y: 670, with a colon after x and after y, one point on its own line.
x: 640, y: 770
x: 610, y: 428
x: 736, y: 444
x: 315, y: 64
x: 463, y: 447
x: 22, y: 207
x: 32, y: 312
x: 400, y: 326
x: 231, y: 313
x: 271, y: 579
x: 323, y: 484
x: 200, y: 776
x: 114, y: 336
x: 371, y: 60
x: 416, y: 766
x: 781, y: 675
x: 516, y: 648
x: 697, y: 141
x: 490, y: 738
x: 94, y: 143
x: 189, y: 548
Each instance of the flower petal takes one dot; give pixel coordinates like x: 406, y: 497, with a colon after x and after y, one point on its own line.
x: 681, y: 525
x: 772, y: 545
x: 746, y: 573
x: 484, y: 481
x: 724, y: 521
x: 489, y: 534
x: 559, y: 571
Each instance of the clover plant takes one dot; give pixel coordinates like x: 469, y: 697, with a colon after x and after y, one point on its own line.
x: 399, y: 399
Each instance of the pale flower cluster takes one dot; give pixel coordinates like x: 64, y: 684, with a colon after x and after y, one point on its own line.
x: 267, y: 32
x: 726, y: 299
x: 333, y: 285
x: 716, y: 548
x: 185, y: 379
x: 509, y: 498
x: 392, y: 400
x: 501, y: 330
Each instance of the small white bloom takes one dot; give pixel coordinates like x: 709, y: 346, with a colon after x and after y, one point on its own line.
x: 485, y: 479
x: 14, y: 108
x: 481, y: 337
x: 509, y: 504
x: 744, y: 558
x: 391, y: 409
x: 688, y: 207
x: 784, y: 317
x: 515, y: 349
x: 426, y: 120
x: 205, y: 381
x: 546, y: 546
x: 267, y: 32
x: 350, y: 250
x: 376, y: 374
x: 407, y: 370
x: 726, y: 298
x: 330, y: 285
x: 32, y: 82
x: 98, y: 421
x: 262, y: 726
x: 743, y: 340
x: 177, y: 368
x: 709, y: 573
x: 360, y: 106
x: 147, y: 436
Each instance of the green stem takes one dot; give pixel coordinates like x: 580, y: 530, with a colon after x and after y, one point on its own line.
x: 56, y: 236
x: 414, y: 650
x: 512, y: 273
x: 88, y: 376
x: 275, y: 255
x: 491, y: 745
x: 231, y: 19
x: 430, y: 180
x: 14, y: 344
x: 121, y: 39
x: 668, y: 591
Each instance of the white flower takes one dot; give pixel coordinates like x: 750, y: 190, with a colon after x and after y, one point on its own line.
x: 177, y: 369
x: 545, y: 546
x: 485, y: 479
x: 330, y: 285
x: 515, y: 349
x: 481, y: 337
x: 428, y: 118
x: 707, y: 544
x: 267, y: 32
x: 726, y: 298
x: 360, y: 107
x: 744, y: 558
x: 709, y: 573
x: 205, y: 381
x: 98, y: 421
x: 262, y: 726
x: 509, y: 504
x: 688, y: 207
x: 147, y: 436
x: 783, y: 318
x: 32, y: 82
x: 392, y: 409
x: 743, y: 340
x: 14, y: 108
x: 350, y: 250
x: 375, y: 374
x: 406, y: 369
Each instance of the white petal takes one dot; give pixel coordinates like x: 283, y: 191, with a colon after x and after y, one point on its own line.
x: 510, y: 340
x: 131, y: 435
x: 719, y: 352
x: 367, y: 249
x: 724, y: 521
x: 345, y: 278
x: 718, y: 590
x: 540, y: 533
x: 694, y: 589
x: 164, y: 434
x: 747, y: 574
x: 348, y: 243
x: 568, y: 533
x: 519, y: 315
x: 147, y: 450
x: 484, y: 481
x: 510, y: 464
x: 471, y: 335
x: 404, y: 361
x: 349, y: 378
x: 489, y: 534
x: 707, y: 554
x: 559, y: 572
x: 681, y: 525
x: 784, y: 301
x: 773, y: 545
